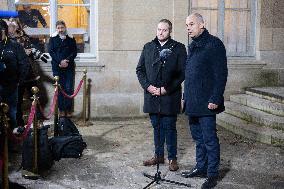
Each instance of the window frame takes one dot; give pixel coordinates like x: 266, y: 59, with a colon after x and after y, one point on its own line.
x: 93, y: 24
x: 221, y: 27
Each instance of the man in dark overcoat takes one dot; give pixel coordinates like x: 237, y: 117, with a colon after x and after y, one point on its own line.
x: 161, y: 75
x: 63, y: 50
x: 205, y: 80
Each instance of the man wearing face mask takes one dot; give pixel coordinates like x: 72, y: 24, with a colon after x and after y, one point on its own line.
x: 63, y: 51
x: 205, y: 80
x: 160, y: 75
x: 13, y: 69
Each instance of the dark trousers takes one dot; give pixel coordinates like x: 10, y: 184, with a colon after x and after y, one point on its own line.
x: 203, y: 131
x: 66, y: 80
x: 10, y: 97
x: 166, y: 132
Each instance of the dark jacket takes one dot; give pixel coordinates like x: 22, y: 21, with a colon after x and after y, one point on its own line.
x: 16, y: 62
x: 62, y: 49
x: 172, y: 76
x: 31, y: 19
x: 205, y: 75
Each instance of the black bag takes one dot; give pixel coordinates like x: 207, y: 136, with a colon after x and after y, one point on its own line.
x: 67, y: 127
x: 67, y: 147
x: 45, y: 160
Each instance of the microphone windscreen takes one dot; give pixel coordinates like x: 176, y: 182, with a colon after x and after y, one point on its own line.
x: 165, y: 53
x: 8, y: 14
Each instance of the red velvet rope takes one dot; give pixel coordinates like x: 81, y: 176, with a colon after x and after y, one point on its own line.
x: 75, y: 93
x: 52, y: 107
x: 25, y: 133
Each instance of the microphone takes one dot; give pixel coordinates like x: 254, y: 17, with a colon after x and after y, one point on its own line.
x: 164, y: 54
x: 8, y: 14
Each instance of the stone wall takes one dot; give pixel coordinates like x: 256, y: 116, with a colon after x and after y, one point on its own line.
x: 126, y: 25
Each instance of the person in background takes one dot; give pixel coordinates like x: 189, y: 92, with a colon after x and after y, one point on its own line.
x: 31, y: 18
x: 63, y: 51
x: 161, y: 78
x: 13, y: 69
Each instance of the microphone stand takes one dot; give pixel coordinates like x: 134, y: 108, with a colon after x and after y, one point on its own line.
x: 157, y: 177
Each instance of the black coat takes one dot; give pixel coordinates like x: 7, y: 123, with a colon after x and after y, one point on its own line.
x: 31, y: 19
x: 205, y: 75
x: 62, y: 49
x: 16, y: 62
x: 172, y: 76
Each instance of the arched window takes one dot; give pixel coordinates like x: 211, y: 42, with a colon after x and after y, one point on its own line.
x: 233, y: 21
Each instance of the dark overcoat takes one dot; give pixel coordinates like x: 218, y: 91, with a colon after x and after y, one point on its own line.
x: 205, y: 75
x: 62, y: 49
x: 172, y: 75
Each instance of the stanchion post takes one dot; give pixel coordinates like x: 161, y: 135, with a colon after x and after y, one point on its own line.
x: 85, y: 97
x: 5, y: 179
x: 56, y: 78
x: 35, y: 90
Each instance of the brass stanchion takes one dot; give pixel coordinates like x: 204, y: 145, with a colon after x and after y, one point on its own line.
x: 56, y: 78
x: 35, y: 90
x: 5, y: 179
x: 85, y: 97
x: 34, y: 174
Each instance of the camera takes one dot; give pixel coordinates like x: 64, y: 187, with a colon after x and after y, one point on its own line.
x: 38, y: 54
x: 2, y: 66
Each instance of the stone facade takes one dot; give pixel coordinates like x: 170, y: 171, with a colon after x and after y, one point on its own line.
x: 125, y: 26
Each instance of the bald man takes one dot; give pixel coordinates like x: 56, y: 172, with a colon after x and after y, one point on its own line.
x: 205, y: 80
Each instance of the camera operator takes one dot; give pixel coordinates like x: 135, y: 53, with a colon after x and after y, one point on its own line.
x: 13, y: 69
x: 17, y: 34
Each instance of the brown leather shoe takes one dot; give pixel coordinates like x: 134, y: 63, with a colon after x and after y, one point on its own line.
x: 154, y: 161
x: 173, y: 166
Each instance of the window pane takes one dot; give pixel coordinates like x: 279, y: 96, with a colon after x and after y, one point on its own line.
x: 77, y: 21
x: 237, y: 32
x: 237, y: 4
x: 204, y: 3
x: 35, y: 21
x: 31, y: 1
x: 72, y: 1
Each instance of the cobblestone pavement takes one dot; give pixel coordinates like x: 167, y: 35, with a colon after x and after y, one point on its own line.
x: 117, y: 147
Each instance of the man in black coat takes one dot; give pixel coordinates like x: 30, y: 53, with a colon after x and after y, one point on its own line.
x: 205, y: 80
x: 13, y: 69
x: 160, y: 71
x: 63, y: 51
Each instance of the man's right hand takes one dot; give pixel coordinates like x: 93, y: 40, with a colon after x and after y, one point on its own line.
x: 63, y: 63
x: 151, y: 89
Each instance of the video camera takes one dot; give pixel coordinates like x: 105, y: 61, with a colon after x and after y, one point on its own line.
x: 38, y: 54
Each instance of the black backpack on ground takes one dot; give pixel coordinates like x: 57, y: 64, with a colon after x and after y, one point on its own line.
x: 67, y: 127
x: 45, y: 160
x: 69, y: 143
x: 67, y: 147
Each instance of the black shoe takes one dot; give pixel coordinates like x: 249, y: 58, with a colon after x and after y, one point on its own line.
x: 193, y: 173
x: 210, y: 182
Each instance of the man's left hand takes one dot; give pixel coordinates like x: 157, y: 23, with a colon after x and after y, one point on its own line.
x: 163, y: 91
x: 212, y: 106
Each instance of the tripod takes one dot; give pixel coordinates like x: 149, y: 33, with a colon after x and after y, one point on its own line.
x: 157, y: 177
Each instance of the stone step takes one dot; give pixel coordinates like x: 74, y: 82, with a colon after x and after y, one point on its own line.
x: 275, y: 94
x: 253, y: 115
x: 259, y: 103
x: 249, y: 130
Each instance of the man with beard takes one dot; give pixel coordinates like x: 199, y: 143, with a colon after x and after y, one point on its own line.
x: 160, y: 75
x: 63, y: 51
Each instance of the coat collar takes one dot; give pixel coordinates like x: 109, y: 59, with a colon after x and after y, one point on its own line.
x: 200, y: 41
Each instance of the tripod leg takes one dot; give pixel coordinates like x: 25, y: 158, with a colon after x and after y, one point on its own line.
x: 153, y: 181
